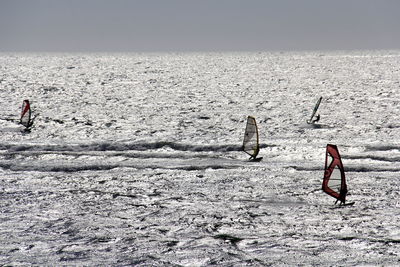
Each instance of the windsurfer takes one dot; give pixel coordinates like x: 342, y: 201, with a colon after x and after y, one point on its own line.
x: 316, y: 119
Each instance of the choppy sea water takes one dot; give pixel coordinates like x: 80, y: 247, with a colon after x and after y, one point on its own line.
x: 134, y: 159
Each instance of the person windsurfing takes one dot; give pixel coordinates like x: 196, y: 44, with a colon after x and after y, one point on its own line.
x: 26, y: 115
x: 343, y: 192
x: 316, y: 119
x: 251, y: 144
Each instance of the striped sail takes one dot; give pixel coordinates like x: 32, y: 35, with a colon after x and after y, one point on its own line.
x: 26, y: 114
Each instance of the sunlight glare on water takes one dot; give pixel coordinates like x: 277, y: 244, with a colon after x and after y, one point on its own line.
x: 135, y: 159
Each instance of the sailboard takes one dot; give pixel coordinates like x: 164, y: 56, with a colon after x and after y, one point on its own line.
x: 334, y: 182
x: 251, y: 144
x: 312, y: 119
x: 26, y: 114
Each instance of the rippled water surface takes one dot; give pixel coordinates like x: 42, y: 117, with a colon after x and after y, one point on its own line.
x: 134, y: 159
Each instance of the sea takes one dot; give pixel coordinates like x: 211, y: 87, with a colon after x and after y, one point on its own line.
x: 135, y: 159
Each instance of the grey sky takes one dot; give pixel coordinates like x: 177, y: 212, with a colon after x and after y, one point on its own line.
x: 198, y: 25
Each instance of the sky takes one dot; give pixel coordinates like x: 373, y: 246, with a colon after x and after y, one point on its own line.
x: 197, y: 25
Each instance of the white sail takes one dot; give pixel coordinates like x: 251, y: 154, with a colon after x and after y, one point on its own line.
x: 250, y: 141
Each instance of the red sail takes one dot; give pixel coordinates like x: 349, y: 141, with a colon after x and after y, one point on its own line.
x: 334, y: 183
x: 26, y: 113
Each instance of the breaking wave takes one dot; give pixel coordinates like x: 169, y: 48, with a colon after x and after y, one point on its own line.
x: 351, y: 169
x: 112, y: 155
x: 107, y: 166
x: 382, y: 147
x: 373, y: 157
x: 115, y: 146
